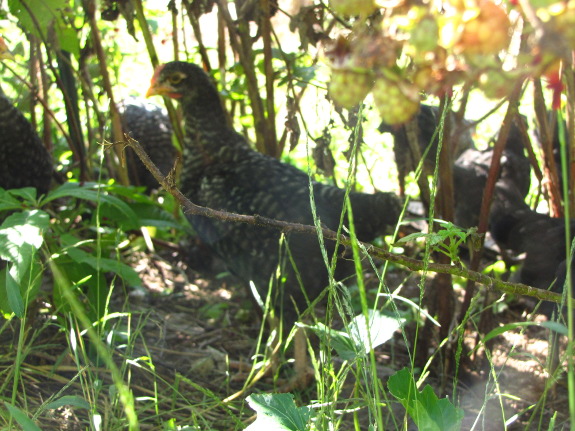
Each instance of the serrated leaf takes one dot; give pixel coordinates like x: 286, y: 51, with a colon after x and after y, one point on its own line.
x: 68, y: 400
x: 411, y: 237
x: 278, y: 412
x: 22, y: 418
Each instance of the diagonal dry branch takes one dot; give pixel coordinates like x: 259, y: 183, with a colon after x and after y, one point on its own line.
x: 407, y: 262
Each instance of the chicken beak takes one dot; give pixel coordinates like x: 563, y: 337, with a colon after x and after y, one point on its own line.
x: 159, y: 89
x: 155, y: 88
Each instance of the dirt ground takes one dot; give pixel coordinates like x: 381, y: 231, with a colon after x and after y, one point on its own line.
x: 200, y: 333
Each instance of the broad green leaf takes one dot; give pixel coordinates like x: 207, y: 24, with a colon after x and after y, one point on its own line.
x: 15, y: 300
x: 23, y: 228
x: 45, y: 13
x: 402, y: 386
x: 22, y: 418
x: 278, y: 412
x: 339, y: 340
x: 27, y: 193
x: 68, y: 400
x: 90, y: 192
x: 44, y: 18
x: 71, y: 246
x: 381, y: 329
x: 20, y: 238
x: 427, y: 411
x: 23, y: 285
x: 151, y: 215
x: 356, y: 341
x: 68, y: 38
x: 8, y: 201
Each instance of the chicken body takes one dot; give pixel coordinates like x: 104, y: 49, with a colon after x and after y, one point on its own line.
x: 151, y: 127
x: 24, y: 161
x: 512, y: 223
x: 221, y: 171
x: 471, y: 170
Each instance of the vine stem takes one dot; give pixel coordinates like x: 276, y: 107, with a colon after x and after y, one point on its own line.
x: 411, y: 264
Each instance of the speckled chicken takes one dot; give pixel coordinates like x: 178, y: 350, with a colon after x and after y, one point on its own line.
x: 428, y: 119
x: 24, y: 161
x: 221, y: 171
x: 151, y: 127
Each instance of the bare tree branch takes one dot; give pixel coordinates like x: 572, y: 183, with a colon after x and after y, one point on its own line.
x: 189, y: 207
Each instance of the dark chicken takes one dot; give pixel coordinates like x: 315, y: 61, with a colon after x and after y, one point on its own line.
x: 512, y: 223
x: 470, y: 173
x: 518, y: 228
x: 24, y: 161
x: 151, y: 127
x: 221, y: 171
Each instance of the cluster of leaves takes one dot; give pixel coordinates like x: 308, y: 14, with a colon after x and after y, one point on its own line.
x: 80, y: 232
x: 401, y: 51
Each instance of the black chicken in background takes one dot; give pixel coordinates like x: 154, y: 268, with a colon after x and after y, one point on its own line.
x: 24, y: 161
x: 428, y: 119
x: 221, y: 171
x: 514, y: 226
x: 471, y: 170
x: 150, y: 126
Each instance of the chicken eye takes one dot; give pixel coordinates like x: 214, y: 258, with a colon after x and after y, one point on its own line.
x: 175, y: 78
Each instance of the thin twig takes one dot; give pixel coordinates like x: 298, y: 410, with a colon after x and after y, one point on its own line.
x: 286, y: 227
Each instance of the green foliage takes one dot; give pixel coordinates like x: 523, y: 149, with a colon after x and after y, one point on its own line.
x: 278, y: 412
x: 359, y: 338
x: 446, y: 240
x: 20, y: 239
x: 22, y: 418
x: 85, y: 251
x: 46, y: 19
x: 427, y: 411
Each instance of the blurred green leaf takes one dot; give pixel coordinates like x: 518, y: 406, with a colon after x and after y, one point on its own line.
x: 278, y: 412
x: 68, y: 400
x: 14, y: 296
x: 22, y: 418
x: 72, y: 248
